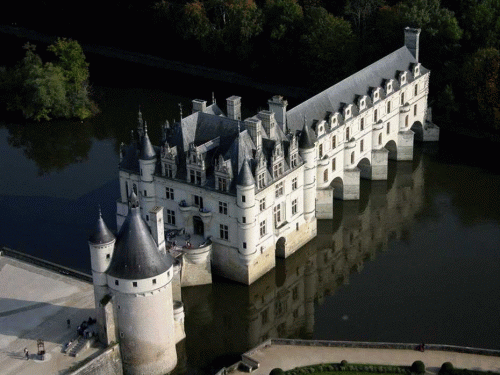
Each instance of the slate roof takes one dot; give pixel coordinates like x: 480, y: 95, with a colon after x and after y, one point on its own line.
x: 346, y: 91
x: 136, y: 255
x: 245, y: 177
x: 101, y: 233
x: 147, y: 150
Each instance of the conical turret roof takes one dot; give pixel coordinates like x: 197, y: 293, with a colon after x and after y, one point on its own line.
x: 136, y: 255
x: 245, y: 177
x: 147, y: 150
x: 306, y: 139
x: 101, y: 233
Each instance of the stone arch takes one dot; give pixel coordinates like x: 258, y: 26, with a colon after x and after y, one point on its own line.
x: 281, y: 247
x: 365, y: 168
x: 338, y: 188
x: 393, y: 150
x: 418, y: 129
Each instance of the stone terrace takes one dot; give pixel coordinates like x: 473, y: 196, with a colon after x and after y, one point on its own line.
x: 35, y: 304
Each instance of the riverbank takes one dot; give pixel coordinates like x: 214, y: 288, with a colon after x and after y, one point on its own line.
x: 289, y: 354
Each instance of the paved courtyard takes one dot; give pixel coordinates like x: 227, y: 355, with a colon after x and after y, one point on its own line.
x: 35, y: 304
x: 288, y: 357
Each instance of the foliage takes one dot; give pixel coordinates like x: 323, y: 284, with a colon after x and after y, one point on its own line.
x: 483, y: 24
x: 52, y: 89
x: 277, y: 371
x: 418, y: 367
x: 446, y: 368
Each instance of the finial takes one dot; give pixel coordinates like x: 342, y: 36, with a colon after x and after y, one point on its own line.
x: 180, y: 109
x: 99, y: 208
x: 213, y: 97
x: 145, y: 127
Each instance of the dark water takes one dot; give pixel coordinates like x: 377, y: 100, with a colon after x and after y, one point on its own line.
x: 417, y: 258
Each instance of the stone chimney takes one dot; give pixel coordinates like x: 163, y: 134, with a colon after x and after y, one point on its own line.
x: 253, y: 127
x: 268, y: 123
x: 199, y: 105
x: 412, y: 37
x: 277, y: 105
x: 234, y: 107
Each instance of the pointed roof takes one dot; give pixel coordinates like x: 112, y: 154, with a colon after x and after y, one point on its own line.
x: 307, y: 138
x: 245, y: 177
x: 136, y: 255
x: 101, y: 233
x: 147, y: 149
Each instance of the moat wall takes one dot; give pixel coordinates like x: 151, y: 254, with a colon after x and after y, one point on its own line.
x: 108, y: 362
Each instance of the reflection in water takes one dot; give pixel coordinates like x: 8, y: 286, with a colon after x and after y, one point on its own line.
x: 54, y: 145
x: 283, y: 303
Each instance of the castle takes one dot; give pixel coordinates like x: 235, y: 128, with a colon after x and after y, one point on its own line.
x: 229, y: 195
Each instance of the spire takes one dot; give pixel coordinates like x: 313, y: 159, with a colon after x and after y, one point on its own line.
x: 147, y: 150
x: 140, y: 123
x: 133, y: 201
x: 245, y: 177
x: 306, y: 139
x: 101, y: 233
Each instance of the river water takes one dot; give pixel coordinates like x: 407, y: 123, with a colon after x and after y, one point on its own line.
x: 415, y: 259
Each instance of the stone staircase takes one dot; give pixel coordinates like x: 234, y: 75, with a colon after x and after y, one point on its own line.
x: 80, y: 345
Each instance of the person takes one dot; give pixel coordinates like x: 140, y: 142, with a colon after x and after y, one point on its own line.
x: 27, y: 353
x: 69, y: 323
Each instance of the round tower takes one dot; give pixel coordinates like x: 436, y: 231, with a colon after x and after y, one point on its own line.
x: 307, y: 151
x: 140, y: 278
x: 147, y: 165
x: 247, y: 214
x: 101, y: 244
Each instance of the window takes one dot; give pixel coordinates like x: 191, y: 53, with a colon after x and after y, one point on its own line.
x: 145, y: 193
x: 278, y: 217
x: 195, y: 177
x: 376, y: 95
x: 402, y: 98
x: 295, y: 293
x: 147, y: 217
x: 117, y: 282
x: 277, y: 169
x: 380, y: 139
x: 244, y: 245
x: 389, y: 87
x: 262, y: 228
x: 279, y: 189
x: 169, y: 171
x: 134, y: 188
x: 334, y: 142
x: 362, y: 124
x: 294, y: 160
x: 222, y: 183
x: 223, y: 208
x: 294, y: 183
x: 403, y: 78
x: 415, y: 110
x: 347, y: 134
x: 134, y: 284
x: 224, y: 232
x: 416, y: 89
x: 192, y: 176
x: 108, y: 256
x: 171, y: 217
x: 348, y: 113
x: 361, y: 145
x: 154, y: 281
x: 333, y: 164
x: 320, y: 151
x: 198, y: 201
x: 262, y: 204
x: 294, y: 206
x: 169, y: 193
x: 375, y: 116
x: 406, y: 120
x: 388, y: 107
x: 352, y: 157
x: 388, y: 127
x: 264, y: 316
x: 325, y: 175
x: 244, y: 219
x: 243, y: 199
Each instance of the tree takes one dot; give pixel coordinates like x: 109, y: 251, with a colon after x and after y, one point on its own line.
x: 52, y: 89
x: 482, y: 23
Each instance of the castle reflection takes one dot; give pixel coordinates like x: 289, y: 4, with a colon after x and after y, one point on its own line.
x: 225, y: 319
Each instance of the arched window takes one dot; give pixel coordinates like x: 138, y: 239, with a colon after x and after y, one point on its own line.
x: 347, y: 134
x: 361, y: 146
x: 388, y: 127
x: 388, y: 106
x: 334, y: 142
x: 416, y: 89
x: 402, y: 98
x: 352, y: 157
x: 415, y: 110
x: 406, y: 120
x: 325, y: 175
x: 375, y: 116
x: 380, y: 139
x: 362, y: 124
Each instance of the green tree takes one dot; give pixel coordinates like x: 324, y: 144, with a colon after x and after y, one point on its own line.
x: 52, y: 89
x: 482, y: 24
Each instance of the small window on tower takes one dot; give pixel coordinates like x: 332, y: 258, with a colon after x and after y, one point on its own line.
x: 134, y: 284
x: 116, y: 282
x: 154, y: 281
x: 108, y: 256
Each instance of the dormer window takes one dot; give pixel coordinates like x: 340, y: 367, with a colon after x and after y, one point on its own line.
x: 347, y: 113
x: 376, y: 95
x: 416, y: 70
x: 389, y: 87
x: 403, y: 78
x: 334, y: 120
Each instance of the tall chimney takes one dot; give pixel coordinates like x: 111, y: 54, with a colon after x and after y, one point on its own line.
x: 412, y: 37
x: 234, y: 107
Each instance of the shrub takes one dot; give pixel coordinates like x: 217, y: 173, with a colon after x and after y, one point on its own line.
x: 418, y: 367
x: 343, y: 362
x: 277, y: 371
x: 446, y: 368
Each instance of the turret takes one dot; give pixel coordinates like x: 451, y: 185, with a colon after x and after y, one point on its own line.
x: 101, y: 244
x: 308, y: 153
x: 140, y: 280
x: 147, y: 165
x: 247, y: 214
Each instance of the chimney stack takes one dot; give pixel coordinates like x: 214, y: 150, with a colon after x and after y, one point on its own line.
x: 234, y: 107
x: 412, y: 37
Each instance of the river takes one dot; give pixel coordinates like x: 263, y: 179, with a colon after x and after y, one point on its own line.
x: 415, y: 259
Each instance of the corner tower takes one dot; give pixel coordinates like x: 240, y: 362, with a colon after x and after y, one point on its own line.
x: 147, y: 165
x: 307, y: 151
x: 101, y: 244
x: 140, y: 279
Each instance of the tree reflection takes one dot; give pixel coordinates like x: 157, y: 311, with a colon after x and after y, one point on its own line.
x: 52, y: 146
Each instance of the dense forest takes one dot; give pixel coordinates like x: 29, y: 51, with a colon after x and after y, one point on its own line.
x: 307, y: 43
